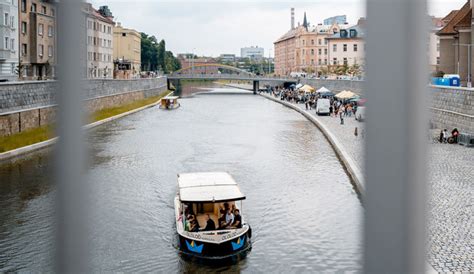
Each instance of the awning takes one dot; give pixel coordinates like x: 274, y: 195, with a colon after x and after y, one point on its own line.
x: 208, y: 187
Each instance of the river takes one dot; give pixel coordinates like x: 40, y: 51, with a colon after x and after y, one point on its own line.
x: 304, y: 212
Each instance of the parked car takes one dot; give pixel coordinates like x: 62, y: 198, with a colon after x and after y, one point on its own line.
x: 322, y: 106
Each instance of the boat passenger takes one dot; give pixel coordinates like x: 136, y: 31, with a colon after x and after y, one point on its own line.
x: 229, y: 218
x: 194, y: 226
x: 223, y: 211
x: 210, y: 225
x: 237, y: 219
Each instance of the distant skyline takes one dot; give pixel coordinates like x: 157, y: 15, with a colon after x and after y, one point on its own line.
x: 216, y: 27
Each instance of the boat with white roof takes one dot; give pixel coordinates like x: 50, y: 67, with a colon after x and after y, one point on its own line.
x: 208, y: 209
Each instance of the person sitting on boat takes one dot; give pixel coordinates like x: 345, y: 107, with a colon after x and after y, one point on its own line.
x: 223, y: 211
x: 229, y: 218
x: 194, y: 226
x: 210, y: 225
x: 237, y: 219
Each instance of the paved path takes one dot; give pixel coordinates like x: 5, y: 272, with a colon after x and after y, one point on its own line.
x: 451, y: 185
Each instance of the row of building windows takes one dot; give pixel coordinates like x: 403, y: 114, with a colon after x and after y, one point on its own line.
x: 24, y: 50
x: 33, y: 8
x: 8, y: 20
x: 320, y: 42
x: 105, y: 43
x: 345, y: 61
x: 101, y: 57
x: 99, y: 27
x: 344, y: 47
x: 24, y: 29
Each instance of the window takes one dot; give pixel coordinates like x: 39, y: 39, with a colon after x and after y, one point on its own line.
x: 345, y: 61
x: 43, y: 9
x: 24, y: 49
x: 7, y: 42
x: 303, y: 42
x: 12, y: 45
x: 312, y: 41
x: 40, y: 50
x: 319, y: 61
x: 325, y: 51
x: 325, y: 41
x: 325, y: 61
x: 50, y: 51
x: 334, y: 47
x: 6, y: 20
x: 437, y: 60
x: 320, y: 51
x: 23, y: 5
x: 312, y: 61
x: 23, y: 27
x: 344, y: 47
x: 33, y: 7
x: 50, y: 31
x: 303, y: 51
x: 319, y: 41
x: 312, y: 51
x: 334, y: 61
x: 40, y: 29
x: 355, y: 47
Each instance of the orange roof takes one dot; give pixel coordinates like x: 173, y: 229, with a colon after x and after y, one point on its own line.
x: 450, y: 16
x: 458, y: 18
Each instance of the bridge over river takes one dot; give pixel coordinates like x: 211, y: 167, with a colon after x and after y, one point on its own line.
x: 224, y: 72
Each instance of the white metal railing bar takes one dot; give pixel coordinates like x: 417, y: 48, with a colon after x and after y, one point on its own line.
x: 395, y: 145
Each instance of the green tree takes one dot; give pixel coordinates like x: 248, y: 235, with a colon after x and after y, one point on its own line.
x: 161, y: 56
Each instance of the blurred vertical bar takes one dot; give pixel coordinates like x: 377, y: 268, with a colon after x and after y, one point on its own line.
x: 395, y: 146
x: 70, y: 155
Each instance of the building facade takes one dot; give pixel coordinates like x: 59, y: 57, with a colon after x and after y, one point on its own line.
x: 191, y: 64
x: 8, y: 40
x: 252, y: 53
x: 126, y: 53
x: 456, y: 42
x: 37, y: 39
x: 100, y: 38
x: 347, y: 48
x: 304, y: 48
x: 228, y: 58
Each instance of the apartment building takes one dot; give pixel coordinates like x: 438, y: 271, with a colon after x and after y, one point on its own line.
x: 100, y: 44
x: 37, y: 39
x: 126, y: 52
x: 348, y: 47
x: 8, y: 40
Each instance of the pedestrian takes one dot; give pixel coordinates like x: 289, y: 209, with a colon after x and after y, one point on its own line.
x: 445, y: 136
x: 341, y: 117
x: 355, y: 132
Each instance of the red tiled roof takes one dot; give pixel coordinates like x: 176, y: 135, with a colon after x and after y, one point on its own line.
x: 450, y: 16
x: 97, y: 14
x: 458, y: 18
x: 290, y: 34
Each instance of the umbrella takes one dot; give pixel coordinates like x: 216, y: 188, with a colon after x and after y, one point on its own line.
x: 346, y: 94
x: 307, y: 89
x: 323, y: 90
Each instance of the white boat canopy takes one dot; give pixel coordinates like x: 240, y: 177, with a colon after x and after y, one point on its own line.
x: 208, y: 187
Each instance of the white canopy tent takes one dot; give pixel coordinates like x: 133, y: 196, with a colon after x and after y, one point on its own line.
x: 323, y: 90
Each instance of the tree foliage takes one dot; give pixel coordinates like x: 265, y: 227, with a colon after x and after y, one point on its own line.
x: 155, y: 57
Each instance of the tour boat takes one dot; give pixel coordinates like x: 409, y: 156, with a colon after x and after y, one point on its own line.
x: 169, y: 102
x: 202, y: 200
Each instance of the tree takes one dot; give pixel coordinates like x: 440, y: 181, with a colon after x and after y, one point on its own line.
x: 161, y: 55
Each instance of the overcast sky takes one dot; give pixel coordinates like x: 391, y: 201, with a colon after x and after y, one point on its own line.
x: 224, y: 26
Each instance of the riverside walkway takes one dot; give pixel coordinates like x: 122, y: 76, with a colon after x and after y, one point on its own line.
x: 450, y: 186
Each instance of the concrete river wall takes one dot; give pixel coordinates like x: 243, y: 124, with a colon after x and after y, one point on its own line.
x: 28, y: 105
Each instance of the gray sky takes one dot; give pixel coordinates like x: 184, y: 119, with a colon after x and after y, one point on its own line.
x: 224, y: 26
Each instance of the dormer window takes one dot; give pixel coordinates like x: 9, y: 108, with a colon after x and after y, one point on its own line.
x: 343, y: 33
x: 352, y: 33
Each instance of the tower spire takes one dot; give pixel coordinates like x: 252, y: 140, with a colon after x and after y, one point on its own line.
x: 305, y: 22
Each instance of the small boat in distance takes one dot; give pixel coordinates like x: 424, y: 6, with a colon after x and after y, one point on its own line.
x: 208, y: 209
x: 169, y: 102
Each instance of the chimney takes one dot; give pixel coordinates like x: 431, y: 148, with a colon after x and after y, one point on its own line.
x: 293, y: 18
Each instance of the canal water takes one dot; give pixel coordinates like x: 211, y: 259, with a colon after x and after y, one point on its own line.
x: 304, y: 212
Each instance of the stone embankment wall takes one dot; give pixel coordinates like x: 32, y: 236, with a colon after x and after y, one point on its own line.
x: 452, y: 108
x: 28, y: 105
x: 335, y: 85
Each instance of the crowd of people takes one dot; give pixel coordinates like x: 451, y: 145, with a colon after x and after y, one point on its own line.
x: 338, y: 107
x: 230, y: 218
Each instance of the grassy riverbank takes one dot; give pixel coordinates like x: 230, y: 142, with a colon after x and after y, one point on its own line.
x: 44, y: 133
